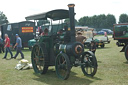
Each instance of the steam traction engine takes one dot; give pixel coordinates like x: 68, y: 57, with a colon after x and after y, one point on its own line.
x: 120, y: 33
x: 61, y: 50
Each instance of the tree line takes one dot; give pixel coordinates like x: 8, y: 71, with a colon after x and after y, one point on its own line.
x: 102, y: 20
x: 98, y: 21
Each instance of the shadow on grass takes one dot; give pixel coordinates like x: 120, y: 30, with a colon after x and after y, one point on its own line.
x: 23, y: 50
x: 96, y: 78
x: 18, y: 59
x: 99, y: 61
x: 126, y: 62
x: 8, y: 59
x: 103, y: 48
x: 51, y: 79
x: 87, y: 49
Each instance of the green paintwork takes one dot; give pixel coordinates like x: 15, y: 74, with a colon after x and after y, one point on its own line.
x: 62, y: 48
x: 47, y: 41
x: 121, y: 31
x: 31, y: 42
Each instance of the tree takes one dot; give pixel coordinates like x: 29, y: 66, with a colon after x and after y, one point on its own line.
x: 94, y: 21
x: 67, y: 21
x: 110, y: 20
x: 102, y: 21
x: 3, y: 18
x: 123, y: 18
x: 83, y: 21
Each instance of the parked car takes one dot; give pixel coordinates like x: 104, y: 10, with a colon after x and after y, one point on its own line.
x: 98, y: 43
x: 102, y: 38
x: 108, y: 31
x: 100, y: 32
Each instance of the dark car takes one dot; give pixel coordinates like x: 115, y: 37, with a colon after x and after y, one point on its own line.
x: 100, y: 32
x: 108, y: 31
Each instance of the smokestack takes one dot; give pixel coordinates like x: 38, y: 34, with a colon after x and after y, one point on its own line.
x: 72, y: 22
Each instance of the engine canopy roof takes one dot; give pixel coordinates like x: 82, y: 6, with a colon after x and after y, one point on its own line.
x: 54, y: 14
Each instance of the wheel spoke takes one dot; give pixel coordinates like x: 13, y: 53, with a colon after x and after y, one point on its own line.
x: 41, y: 58
x: 86, y: 69
x: 64, y: 62
x: 40, y: 66
x: 90, y: 70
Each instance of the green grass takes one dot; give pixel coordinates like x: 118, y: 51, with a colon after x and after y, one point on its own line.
x: 112, y: 70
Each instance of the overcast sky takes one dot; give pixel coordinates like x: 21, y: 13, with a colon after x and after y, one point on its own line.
x: 17, y: 10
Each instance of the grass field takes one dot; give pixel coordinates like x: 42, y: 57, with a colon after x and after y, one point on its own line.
x: 112, y: 70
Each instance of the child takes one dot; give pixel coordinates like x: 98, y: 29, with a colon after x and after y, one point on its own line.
x: 93, y: 47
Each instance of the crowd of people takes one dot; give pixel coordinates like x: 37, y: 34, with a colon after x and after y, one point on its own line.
x: 5, y: 44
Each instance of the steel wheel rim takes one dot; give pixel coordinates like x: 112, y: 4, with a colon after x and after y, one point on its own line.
x: 88, y: 66
x: 37, y: 59
x: 61, y: 65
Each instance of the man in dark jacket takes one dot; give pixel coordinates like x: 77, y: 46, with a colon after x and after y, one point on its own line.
x: 1, y: 45
x: 93, y: 47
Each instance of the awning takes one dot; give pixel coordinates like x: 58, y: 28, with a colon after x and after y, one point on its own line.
x: 54, y: 14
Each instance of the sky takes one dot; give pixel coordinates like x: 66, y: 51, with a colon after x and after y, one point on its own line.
x: 17, y: 10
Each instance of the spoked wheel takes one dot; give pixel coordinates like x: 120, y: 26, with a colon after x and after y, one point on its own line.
x: 89, y: 64
x: 39, y: 58
x: 62, y: 65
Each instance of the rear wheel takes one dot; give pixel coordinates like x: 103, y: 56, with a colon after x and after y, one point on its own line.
x: 108, y: 41
x: 39, y: 58
x: 126, y: 52
x: 89, y: 64
x: 62, y: 65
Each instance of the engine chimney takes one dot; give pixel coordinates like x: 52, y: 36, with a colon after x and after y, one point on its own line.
x: 72, y: 22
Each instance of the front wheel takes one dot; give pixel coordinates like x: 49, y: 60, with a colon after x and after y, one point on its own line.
x: 62, y: 66
x: 126, y: 52
x: 89, y: 64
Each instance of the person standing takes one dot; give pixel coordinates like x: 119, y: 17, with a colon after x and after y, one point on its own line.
x: 105, y: 34
x: 1, y: 45
x: 18, y: 46
x: 80, y: 38
x: 45, y: 33
x: 93, y: 47
x: 7, y: 45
